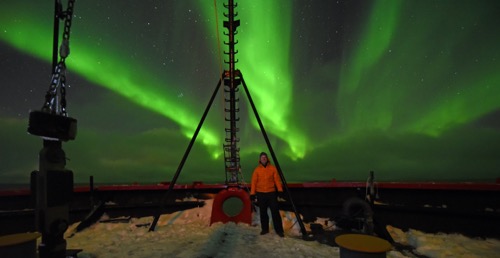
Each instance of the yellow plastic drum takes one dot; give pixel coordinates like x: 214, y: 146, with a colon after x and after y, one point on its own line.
x: 362, y: 246
x: 19, y: 245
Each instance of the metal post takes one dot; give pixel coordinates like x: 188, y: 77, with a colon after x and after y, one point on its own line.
x: 55, y: 45
x: 53, y: 186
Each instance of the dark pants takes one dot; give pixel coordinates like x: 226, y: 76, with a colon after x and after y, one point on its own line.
x: 269, y: 200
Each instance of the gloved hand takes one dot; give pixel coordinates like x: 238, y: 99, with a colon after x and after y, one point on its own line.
x: 281, y: 197
x: 253, y: 198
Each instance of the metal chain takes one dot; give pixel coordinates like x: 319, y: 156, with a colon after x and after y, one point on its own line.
x: 50, y: 96
x: 68, y: 17
x: 63, y: 89
x: 59, y: 75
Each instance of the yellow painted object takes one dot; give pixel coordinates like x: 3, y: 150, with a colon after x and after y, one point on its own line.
x: 359, y: 245
x: 18, y: 245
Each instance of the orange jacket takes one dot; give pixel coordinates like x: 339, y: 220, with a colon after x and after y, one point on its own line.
x: 265, y: 179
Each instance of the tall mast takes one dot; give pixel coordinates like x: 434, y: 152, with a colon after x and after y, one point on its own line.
x: 232, y: 80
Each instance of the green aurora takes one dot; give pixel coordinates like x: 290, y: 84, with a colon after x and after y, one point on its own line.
x: 342, y: 88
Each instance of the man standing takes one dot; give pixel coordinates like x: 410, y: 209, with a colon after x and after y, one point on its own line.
x: 265, y: 182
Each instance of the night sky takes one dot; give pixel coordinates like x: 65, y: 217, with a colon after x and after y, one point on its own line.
x: 409, y: 89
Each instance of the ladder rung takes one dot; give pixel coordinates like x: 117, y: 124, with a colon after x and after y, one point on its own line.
x: 237, y: 150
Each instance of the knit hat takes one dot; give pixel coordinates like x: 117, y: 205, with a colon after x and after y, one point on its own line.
x: 263, y: 153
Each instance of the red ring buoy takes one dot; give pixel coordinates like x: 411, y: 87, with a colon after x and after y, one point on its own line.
x: 232, y: 205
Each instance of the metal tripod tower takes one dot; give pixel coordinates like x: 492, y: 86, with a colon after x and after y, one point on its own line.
x: 232, y: 79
